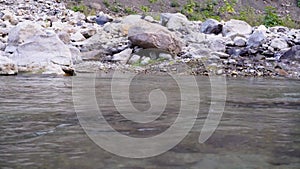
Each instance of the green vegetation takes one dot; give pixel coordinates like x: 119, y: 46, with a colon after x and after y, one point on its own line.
x: 271, y: 18
x: 145, y: 9
x: 129, y: 10
x: 298, y: 3
x: 106, y: 3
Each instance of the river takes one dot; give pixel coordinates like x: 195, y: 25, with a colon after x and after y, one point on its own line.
x: 260, y: 127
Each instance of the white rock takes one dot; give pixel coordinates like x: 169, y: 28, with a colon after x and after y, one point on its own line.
x: 123, y: 56
x: 236, y: 27
x: 279, y: 43
x: 77, y: 37
x: 134, y: 59
x: 239, y: 41
x: 145, y: 61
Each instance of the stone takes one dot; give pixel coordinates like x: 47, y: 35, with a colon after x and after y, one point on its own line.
x: 64, y: 37
x: 149, y: 35
x: 102, y: 18
x: 292, y: 54
x: 77, y: 37
x: 211, y: 26
x: 279, y: 43
x: 217, y: 45
x: 240, y: 41
x: 236, y: 27
x: 145, y: 61
x: 177, y: 22
x: 2, y: 46
x: 256, y: 39
x: 134, y: 59
x: 165, y: 56
x: 75, y: 54
x: 221, y: 55
x: 123, y: 56
x: 34, y: 49
x: 7, y: 66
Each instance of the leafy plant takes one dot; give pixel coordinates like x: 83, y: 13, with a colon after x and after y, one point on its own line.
x: 145, y: 9
x: 271, y: 18
x: 298, y: 3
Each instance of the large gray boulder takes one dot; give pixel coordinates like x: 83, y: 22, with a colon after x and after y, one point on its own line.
x: 211, y: 26
x: 236, y: 27
x: 7, y: 66
x: 36, y: 50
x: 148, y: 35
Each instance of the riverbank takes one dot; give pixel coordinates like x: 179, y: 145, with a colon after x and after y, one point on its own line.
x: 46, y: 37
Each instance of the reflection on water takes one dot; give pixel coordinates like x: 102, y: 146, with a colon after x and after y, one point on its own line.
x: 259, y: 129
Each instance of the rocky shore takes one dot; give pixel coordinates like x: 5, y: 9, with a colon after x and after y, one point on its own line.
x: 44, y: 37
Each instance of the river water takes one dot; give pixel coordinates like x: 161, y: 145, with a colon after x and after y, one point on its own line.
x: 260, y: 127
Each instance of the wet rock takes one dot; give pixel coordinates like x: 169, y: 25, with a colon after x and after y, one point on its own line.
x: 7, y: 66
x: 279, y: 43
x: 236, y: 27
x: 211, y: 26
x: 147, y: 35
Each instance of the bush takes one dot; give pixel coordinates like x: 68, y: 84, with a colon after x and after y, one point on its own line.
x: 271, y: 18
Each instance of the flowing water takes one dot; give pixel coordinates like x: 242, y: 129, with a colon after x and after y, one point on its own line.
x: 39, y: 128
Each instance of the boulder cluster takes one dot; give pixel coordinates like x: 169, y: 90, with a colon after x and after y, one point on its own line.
x: 43, y: 36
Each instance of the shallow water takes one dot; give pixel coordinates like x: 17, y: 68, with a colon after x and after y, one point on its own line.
x: 39, y: 128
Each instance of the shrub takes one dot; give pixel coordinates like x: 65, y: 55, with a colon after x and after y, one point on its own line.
x: 271, y: 18
x: 145, y: 9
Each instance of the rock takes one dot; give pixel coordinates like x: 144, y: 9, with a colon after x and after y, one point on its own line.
x: 279, y: 43
x: 145, y: 61
x: 64, y: 37
x: 211, y: 26
x: 177, y: 22
x: 236, y: 27
x: 147, y: 35
x: 256, y: 39
x: 292, y: 54
x: 88, y: 32
x: 123, y: 56
x: 217, y: 45
x: 134, y: 59
x: 220, y: 55
x: 76, y: 55
x: 37, y: 51
x: 165, y: 56
x: 102, y: 18
x: 77, y: 37
x: 239, y: 41
x: 7, y: 66
x: 2, y: 46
